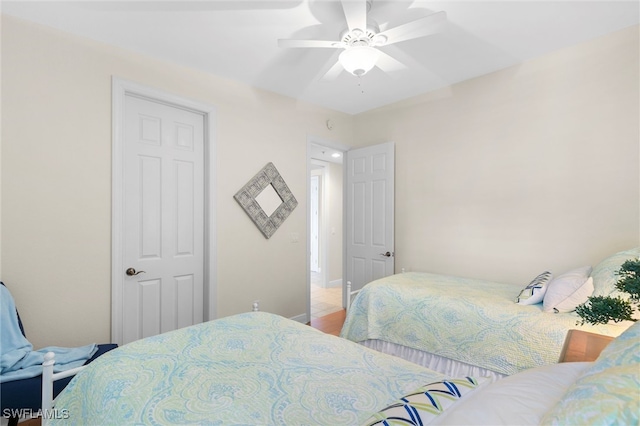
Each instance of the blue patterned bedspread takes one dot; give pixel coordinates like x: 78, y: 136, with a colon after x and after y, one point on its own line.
x: 468, y: 320
x: 254, y: 368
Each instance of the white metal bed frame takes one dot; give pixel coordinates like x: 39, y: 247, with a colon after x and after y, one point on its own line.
x: 48, y: 377
x: 350, y: 295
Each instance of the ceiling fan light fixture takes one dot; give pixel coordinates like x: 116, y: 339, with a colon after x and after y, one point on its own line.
x: 359, y: 60
x: 379, y: 40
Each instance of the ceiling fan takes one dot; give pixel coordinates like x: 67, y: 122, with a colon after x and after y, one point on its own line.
x: 362, y: 37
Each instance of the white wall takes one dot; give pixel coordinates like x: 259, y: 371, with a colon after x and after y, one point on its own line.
x: 56, y: 180
x: 533, y: 167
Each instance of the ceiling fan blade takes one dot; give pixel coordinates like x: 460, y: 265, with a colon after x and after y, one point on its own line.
x: 333, y: 72
x: 422, y: 27
x: 388, y: 63
x: 356, y: 13
x: 310, y: 43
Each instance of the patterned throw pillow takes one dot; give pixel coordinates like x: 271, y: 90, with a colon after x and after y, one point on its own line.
x: 604, y: 273
x: 534, y: 292
x: 422, y: 405
x: 607, y: 392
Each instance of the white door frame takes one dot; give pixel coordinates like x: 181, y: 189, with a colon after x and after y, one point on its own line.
x: 323, y: 174
x: 120, y: 89
x: 317, y: 203
x: 313, y: 140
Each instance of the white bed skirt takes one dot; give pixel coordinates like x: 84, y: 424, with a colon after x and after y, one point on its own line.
x: 447, y: 366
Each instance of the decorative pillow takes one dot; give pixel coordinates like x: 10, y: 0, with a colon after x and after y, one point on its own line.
x: 568, y: 290
x: 519, y: 399
x: 623, y: 350
x: 422, y: 405
x: 534, y: 292
x: 604, y: 274
x: 609, y: 397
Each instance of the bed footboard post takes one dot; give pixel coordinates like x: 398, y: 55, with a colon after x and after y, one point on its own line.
x: 350, y: 295
x: 47, y: 386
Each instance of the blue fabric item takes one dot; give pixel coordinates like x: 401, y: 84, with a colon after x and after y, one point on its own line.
x: 18, y: 360
x: 26, y: 393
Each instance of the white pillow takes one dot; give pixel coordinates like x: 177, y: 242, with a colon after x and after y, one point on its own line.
x: 534, y: 292
x: 520, y: 399
x: 568, y: 291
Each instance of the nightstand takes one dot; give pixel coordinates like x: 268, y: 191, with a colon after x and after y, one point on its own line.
x: 583, y: 346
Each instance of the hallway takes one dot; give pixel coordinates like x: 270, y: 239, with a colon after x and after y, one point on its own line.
x: 324, y: 301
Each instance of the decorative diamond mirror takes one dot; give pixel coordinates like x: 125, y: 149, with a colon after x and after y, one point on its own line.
x: 267, y: 192
x: 269, y: 200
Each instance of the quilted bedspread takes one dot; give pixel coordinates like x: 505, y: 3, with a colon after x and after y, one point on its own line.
x: 468, y: 320
x: 254, y: 368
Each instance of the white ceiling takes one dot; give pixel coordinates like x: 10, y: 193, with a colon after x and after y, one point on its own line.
x: 326, y: 154
x: 237, y: 39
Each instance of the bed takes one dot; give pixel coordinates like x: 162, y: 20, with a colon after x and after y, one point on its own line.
x: 262, y: 369
x: 462, y: 326
x: 254, y: 368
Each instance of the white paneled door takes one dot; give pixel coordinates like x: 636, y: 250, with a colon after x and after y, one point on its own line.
x: 163, y: 218
x: 369, y: 212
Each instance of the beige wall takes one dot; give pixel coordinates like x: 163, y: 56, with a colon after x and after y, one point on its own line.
x: 0, y: 154
x: 56, y: 181
x: 529, y: 168
x: 499, y: 177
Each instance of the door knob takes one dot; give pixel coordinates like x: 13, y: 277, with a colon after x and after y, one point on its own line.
x: 132, y: 272
x: 387, y: 254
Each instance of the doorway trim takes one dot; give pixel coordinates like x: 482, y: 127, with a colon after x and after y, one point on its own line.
x: 317, y: 202
x: 314, y: 140
x: 120, y: 89
x: 321, y: 171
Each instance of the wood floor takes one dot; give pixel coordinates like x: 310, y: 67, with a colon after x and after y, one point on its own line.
x: 330, y: 324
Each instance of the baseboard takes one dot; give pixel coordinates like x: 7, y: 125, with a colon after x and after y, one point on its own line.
x: 303, y: 318
x: 330, y: 284
x: 335, y: 283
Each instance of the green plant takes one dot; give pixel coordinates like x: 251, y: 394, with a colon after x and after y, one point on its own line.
x: 602, y: 309
x: 630, y: 279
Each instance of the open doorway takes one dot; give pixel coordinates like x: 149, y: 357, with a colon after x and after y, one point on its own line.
x: 325, y: 230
